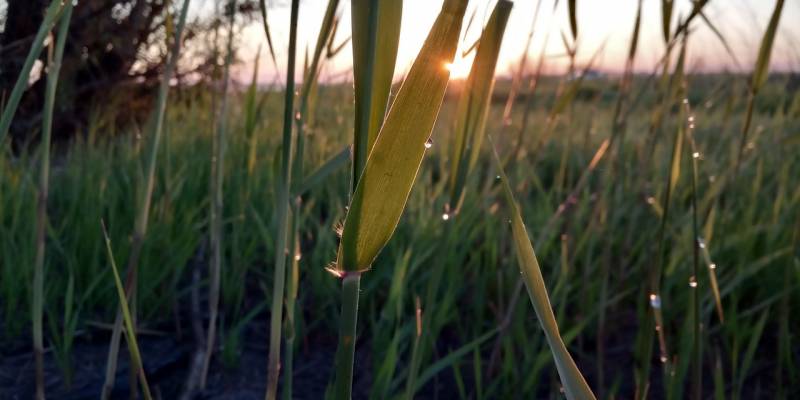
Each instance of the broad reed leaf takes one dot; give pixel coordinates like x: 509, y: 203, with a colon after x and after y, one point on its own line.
x: 376, y: 35
x: 575, y: 386
x: 389, y: 174
x: 473, y: 106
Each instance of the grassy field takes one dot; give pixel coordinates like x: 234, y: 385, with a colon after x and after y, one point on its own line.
x: 613, y: 201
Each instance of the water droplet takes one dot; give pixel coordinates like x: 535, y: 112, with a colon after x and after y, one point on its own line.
x: 497, y: 177
x: 692, y: 282
x: 664, y: 359
x: 655, y: 301
x: 445, y: 217
x: 651, y: 200
x: 691, y: 118
x: 297, y: 256
x: 298, y: 116
x: 685, y: 101
x: 712, y: 266
x: 428, y: 143
x: 701, y: 243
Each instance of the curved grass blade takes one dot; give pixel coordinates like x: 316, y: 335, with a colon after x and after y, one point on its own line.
x: 265, y: 23
x: 760, y: 73
x: 575, y: 385
x: 130, y: 334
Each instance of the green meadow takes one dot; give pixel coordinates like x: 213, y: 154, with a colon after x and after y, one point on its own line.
x: 244, y: 240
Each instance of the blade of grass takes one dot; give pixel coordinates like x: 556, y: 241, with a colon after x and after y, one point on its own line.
x: 575, y: 385
x: 55, y: 56
x: 130, y: 332
x: 473, y: 106
x: 142, y: 217
x: 284, y: 185
x: 760, y: 74
x: 384, y: 185
x: 216, y: 215
x: 376, y: 36
x: 50, y: 18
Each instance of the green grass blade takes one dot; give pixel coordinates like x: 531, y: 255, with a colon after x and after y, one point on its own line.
x: 130, y: 334
x: 376, y: 36
x: 50, y: 18
x: 282, y: 215
x: 265, y: 23
x: 473, y: 106
x: 324, y: 171
x: 761, y: 69
x: 53, y: 71
x: 575, y: 385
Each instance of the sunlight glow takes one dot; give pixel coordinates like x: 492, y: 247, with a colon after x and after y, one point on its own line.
x: 459, y: 68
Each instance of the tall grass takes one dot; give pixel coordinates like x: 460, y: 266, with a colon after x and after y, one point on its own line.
x: 623, y: 185
x: 51, y: 16
x: 282, y: 214
x: 385, y: 182
x: 142, y: 218
x: 216, y: 213
x: 55, y: 55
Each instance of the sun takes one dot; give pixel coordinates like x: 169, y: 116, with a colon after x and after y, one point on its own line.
x: 459, y: 68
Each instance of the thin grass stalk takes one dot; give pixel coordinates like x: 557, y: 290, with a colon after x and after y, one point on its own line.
x: 216, y: 217
x: 365, y: 28
x: 130, y: 329
x: 50, y: 18
x: 372, y: 22
x: 673, y: 175
x: 759, y: 78
x: 521, y: 68
x: 389, y: 174
x: 55, y: 56
x: 282, y: 215
x: 311, y: 73
x: 140, y: 229
x: 292, y: 283
x: 694, y: 301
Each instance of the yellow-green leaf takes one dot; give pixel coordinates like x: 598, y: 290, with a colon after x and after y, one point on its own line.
x: 384, y: 186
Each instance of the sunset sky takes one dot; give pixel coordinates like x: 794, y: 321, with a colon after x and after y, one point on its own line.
x: 742, y: 22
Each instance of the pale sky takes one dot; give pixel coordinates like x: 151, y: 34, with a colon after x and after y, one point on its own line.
x: 742, y: 22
